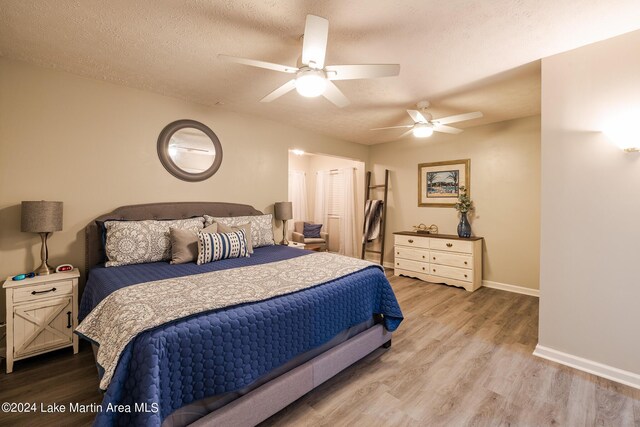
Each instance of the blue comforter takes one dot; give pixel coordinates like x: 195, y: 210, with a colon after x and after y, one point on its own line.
x: 225, y: 350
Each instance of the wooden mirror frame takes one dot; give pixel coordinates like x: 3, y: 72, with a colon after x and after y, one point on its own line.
x: 169, y: 164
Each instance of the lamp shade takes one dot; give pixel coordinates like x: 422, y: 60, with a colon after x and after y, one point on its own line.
x: 283, y: 210
x: 41, y: 217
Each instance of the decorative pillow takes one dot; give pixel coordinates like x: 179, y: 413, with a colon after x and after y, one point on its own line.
x: 226, y: 229
x: 217, y: 246
x: 261, y: 226
x: 184, y: 244
x: 136, y: 242
x: 311, y: 230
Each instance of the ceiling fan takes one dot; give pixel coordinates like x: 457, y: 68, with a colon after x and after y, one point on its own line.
x: 424, y: 124
x: 313, y: 78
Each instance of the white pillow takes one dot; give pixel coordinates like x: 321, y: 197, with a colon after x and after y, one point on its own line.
x: 261, y: 226
x: 137, y: 242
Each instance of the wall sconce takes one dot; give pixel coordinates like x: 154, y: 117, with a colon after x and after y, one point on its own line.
x: 624, y: 131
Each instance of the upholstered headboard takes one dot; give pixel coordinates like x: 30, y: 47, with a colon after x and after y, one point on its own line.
x: 94, y: 251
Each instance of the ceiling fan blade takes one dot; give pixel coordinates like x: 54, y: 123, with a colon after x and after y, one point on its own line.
x: 314, y: 43
x: 406, y: 133
x: 458, y: 118
x: 446, y: 129
x: 364, y: 71
x: 393, y: 127
x: 417, y: 116
x: 335, y: 95
x: 287, y: 87
x: 259, y: 64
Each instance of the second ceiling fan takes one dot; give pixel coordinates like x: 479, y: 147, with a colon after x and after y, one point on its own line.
x: 313, y: 78
x: 424, y: 124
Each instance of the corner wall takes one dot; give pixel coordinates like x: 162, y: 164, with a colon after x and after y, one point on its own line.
x: 590, y: 272
x: 505, y: 188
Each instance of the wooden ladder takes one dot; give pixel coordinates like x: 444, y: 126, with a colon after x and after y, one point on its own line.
x: 383, y: 219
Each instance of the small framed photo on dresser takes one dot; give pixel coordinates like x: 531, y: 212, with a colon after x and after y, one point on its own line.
x: 439, y: 183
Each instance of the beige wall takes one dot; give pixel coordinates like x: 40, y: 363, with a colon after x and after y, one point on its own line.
x: 505, y: 188
x: 590, y: 274
x: 92, y: 145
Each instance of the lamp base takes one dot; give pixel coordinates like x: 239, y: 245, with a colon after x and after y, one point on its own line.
x: 44, y: 269
x: 284, y: 242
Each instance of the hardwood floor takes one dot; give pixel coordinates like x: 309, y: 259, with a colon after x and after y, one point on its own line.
x: 458, y: 359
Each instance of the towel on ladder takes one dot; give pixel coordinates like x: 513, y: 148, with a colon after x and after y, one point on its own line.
x: 372, y: 220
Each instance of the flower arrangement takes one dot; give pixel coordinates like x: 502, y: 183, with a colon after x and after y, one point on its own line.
x: 465, y: 204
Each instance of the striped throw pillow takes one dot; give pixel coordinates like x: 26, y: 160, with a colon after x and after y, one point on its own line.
x: 217, y: 246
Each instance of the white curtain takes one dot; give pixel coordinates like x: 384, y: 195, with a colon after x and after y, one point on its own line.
x: 298, y: 197
x: 321, y: 207
x: 348, y: 232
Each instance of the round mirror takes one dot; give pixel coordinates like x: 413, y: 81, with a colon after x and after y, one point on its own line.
x: 189, y: 150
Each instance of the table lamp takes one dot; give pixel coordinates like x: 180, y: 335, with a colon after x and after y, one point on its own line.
x: 42, y: 217
x: 284, y: 211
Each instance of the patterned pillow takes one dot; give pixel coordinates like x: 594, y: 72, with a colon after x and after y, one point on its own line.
x: 261, y: 226
x: 136, y: 242
x: 217, y: 246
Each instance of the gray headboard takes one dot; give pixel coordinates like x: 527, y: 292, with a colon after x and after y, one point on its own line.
x: 94, y: 252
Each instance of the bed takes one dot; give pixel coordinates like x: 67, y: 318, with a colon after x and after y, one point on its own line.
x: 235, y: 364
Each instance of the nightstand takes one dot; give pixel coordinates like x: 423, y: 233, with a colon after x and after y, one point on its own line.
x: 296, y: 245
x: 42, y: 314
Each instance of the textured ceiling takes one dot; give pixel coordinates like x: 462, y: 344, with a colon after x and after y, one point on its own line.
x: 461, y: 55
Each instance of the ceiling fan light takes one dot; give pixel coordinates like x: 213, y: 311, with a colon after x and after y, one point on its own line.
x: 311, y: 83
x: 422, y: 130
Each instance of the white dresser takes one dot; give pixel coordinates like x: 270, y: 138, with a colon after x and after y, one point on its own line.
x: 439, y: 258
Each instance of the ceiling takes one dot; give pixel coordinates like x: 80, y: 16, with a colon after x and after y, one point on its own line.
x: 461, y: 55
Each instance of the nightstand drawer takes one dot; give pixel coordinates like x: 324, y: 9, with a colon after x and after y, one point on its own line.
x: 34, y: 293
x: 451, y: 273
x: 418, y: 242
x: 451, y: 259
x: 452, y: 245
x: 405, y: 264
x: 411, y: 253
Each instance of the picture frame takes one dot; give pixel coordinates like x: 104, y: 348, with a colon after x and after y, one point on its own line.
x: 439, y: 182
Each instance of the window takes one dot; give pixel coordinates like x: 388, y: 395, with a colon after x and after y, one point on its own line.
x: 335, y: 198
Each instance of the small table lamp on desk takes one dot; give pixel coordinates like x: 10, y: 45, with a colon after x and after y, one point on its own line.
x: 283, y: 211
x: 42, y: 217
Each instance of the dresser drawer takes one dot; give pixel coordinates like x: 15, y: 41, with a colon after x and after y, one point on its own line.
x: 52, y: 289
x: 406, y: 264
x: 415, y: 254
x: 451, y: 272
x: 451, y: 259
x: 452, y: 245
x: 412, y: 241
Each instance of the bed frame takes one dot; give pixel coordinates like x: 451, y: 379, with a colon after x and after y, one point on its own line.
x: 273, y: 396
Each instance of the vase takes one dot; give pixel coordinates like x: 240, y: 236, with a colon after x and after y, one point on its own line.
x: 464, y: 228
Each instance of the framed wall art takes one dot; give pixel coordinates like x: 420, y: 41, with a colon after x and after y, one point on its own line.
x: 439, y: 183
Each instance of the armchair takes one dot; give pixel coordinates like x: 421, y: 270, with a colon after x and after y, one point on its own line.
x: 316, y: 243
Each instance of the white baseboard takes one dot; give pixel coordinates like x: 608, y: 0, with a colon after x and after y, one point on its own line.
x: 605, y: 371
x: 511, y: 288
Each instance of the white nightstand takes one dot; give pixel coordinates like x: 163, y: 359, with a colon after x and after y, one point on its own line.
x: 42, y: 314
x: 296, y: 245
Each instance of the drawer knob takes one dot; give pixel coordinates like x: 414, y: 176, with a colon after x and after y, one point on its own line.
x: 422, y: 256
x: 398, y: 253
x: 434, y: 270
x: 410, y: 240
x: 397, y: 263
x: 449, y: 245
x: 465, y: 275
x: 465, y: 263
x: 434, y: 258
x: 423, y: 268
x: 43, y: 292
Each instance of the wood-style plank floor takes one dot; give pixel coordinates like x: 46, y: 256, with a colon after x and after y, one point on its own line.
x: 458, y: 359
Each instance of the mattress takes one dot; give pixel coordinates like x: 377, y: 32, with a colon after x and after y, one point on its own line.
x: 228, y: 350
